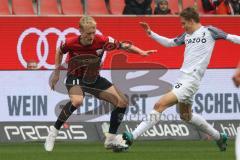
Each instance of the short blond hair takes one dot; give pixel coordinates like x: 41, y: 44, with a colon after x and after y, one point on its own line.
x: 87, y: 21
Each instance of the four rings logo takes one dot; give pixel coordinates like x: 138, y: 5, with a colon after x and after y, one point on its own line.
x: 42, y: 53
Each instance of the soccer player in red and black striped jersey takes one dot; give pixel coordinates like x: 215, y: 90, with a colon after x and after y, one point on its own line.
x: 85, y: 54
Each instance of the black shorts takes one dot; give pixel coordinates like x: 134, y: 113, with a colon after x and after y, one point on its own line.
x: 101, y: 84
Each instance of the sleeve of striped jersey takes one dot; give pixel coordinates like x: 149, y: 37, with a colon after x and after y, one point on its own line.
x: 233, y: 38
x: 109, y: 41
x: 112, y: 40
x: 167, y: 42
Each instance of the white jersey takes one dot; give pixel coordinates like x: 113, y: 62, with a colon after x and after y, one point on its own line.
x: 198, y: 50
x: 199, y: 47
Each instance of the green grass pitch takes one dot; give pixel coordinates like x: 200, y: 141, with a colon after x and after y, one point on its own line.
x: 141, y: 150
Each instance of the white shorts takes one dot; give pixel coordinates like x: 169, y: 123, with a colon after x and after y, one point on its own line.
x: 185, y: 88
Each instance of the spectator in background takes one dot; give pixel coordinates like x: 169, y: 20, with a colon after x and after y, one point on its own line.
x: 161, y: 7
x: 137, y: 7
x: 231, y: 7
x: 222, y: 7
x: 235, y: 5
x: 107, y: 2
x: 32, y: 65
x: 208, y: 6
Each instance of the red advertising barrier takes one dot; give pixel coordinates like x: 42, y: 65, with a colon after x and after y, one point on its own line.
x: 36, y: 38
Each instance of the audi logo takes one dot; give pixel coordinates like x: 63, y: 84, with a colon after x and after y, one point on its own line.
x: 42, y: 40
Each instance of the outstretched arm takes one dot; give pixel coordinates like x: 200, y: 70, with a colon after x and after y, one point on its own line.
x: 220, y: 34
x: 58, y: 61
x: 233, y: 38
x: 167, y: 42
x: 135, y: 49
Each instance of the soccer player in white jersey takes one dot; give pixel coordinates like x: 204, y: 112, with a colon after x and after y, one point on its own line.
x: 199, y: 43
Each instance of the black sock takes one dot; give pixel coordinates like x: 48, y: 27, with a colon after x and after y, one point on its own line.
x: 116, y: 119
x: 66, y: 112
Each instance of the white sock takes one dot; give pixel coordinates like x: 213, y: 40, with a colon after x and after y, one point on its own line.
x: 204, y: 126
x: 151, y: 120
x: 237, y: 144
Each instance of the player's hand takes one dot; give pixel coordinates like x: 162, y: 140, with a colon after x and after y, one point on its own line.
x: 146, y: 27
x: 236, y: 78
x: 54, y: 80
x: 146, y: 53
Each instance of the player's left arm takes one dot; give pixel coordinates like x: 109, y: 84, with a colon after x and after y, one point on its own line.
x: 134, y: 49
x: 220, y: 34
x: 233, y: 38
x: 112, y: 44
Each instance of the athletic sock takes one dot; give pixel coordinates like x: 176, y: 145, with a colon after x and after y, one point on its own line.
x: 204, y: 126
x: 116, y: 119
x: 151, y: 120
x: 66, y: 112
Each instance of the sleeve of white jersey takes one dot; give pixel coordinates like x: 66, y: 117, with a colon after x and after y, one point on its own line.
x: 233, y: 38
x: 167, y: 42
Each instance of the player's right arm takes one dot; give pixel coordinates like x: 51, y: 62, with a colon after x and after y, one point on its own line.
x: 167, y: 42
x: 58, y: 61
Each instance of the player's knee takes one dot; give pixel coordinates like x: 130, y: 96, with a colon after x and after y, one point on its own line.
x: 77, y: 101
x: 159, y: 106
x: 123, y: 103
x: 185, y: 117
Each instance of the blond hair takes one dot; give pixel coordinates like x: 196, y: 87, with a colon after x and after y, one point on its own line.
x: 87, y: 21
